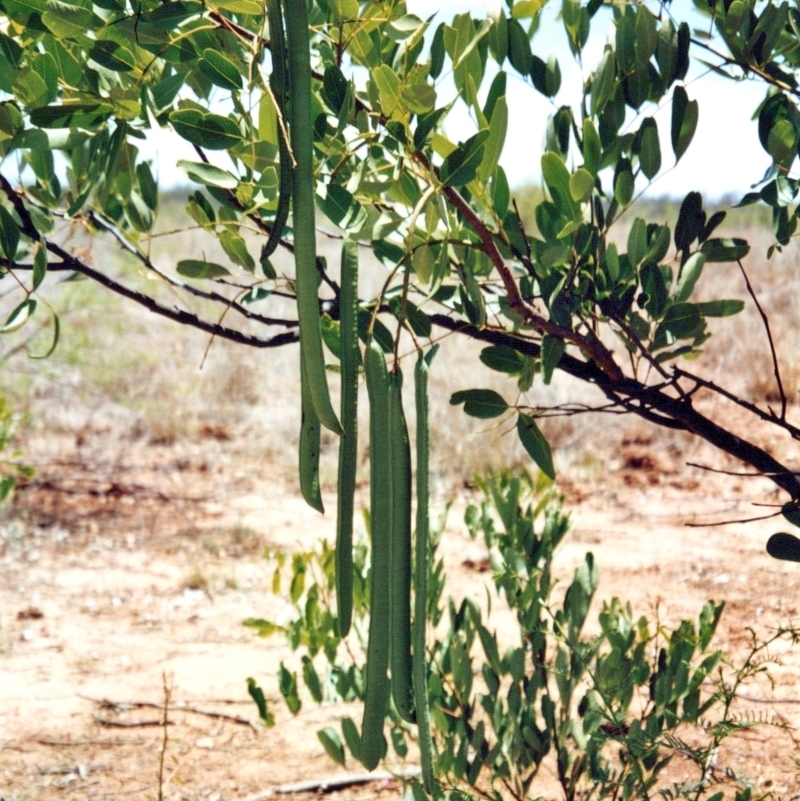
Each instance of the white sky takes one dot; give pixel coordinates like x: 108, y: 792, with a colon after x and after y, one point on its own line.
x: 725, y: 156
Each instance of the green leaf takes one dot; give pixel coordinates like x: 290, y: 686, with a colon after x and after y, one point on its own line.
x: 208, y: 174
x: 461, y: 166
x: 147, y: 185
x: 73, y: 115
x: 211, y: 131
x: 19, y: 316
x: 482, y: 403
x: 344, y: 10
x: 498, y: 126
x: 253, y: 8
x: 257, y: 694
x: 535, y: 444
x: 10, y: 121
x: 684, y: 121
x: 624, y: 187
x: 782, y: 142
x: 519, y: 48
x: 9, y: 234
x: 193, y: 268
x: 287, y: 684
x: 592, y: 148
x: 682, y: 320
x: 332, y: 744
x: 637, y: 242
x: 220, y: 70
x: 720, y: 308
x: 581, y: 184
x: 419, y: 321
x: 39, y: 265
x: 389, y: 88
x: 113, y: 56
x: 726, y: 249
x: 556, y: 176
x: 67, y: 20
x: 546, y: 76
x: 503, y: 359
x: 418, y: 98
x: 169, y: 16
x: 423, y: 262
x: 352, y: 737
x: 649, y: 148
x: 236, y: 250
x: 340, y: 207
x: 690, y: 272
x: 552, y: 351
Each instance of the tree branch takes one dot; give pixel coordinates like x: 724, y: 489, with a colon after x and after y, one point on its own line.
x: 198, y: 293
x: 71, y: 264
x: 765, y: 320
x: 650, y: 403
x: 590, y: 344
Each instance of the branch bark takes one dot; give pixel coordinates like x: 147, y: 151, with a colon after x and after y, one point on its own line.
x: 653, y: 404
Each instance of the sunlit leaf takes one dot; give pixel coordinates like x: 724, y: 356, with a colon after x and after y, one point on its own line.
x: 535, y: 444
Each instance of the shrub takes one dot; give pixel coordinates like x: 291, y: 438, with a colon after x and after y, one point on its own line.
x: 609, y: 705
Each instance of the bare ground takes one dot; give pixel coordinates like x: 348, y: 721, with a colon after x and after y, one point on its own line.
x: 128, y: 564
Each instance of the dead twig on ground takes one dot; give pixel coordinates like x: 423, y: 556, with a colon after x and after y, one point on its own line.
x: 209, y: 713
x: 126, y: 724
x: 330, y: 783
x: 76, y: 743
x: 165, y: 723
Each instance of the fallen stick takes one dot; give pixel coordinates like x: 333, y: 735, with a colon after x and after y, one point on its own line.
x: 330, y: 783
x: 129, y: 724
x: 191, y: 709
x: 74, y: 743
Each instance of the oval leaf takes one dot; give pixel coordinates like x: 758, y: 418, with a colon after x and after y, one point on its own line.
x: 193, y: 268
x: 483, y: 403
x: 535, y: 444
x: 208, y: 174
x: 211, y: 131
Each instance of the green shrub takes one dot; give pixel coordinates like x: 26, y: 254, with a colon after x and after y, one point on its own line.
x: 609, y: 709
x: 10, y: 469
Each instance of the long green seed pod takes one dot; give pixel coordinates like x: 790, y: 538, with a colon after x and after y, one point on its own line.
x: 310, y: 432
x: 277, y: 82
x: 348, y: 444
x: 302, y: 138
x: 420, y: 666
x: 400, y: 569
x: 376, y: 695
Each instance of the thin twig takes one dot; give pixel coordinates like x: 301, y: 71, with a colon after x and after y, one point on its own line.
x: 331, y: 783
x: 70, y: 264
x: 176, y: 707
x: 751, y: 407
x: 124, y: 724
x: 165, y: 722
x: 765, y: 320
x: 732, y: 522
x: 755, y: 474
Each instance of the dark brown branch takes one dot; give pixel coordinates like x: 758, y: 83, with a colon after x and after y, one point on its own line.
x: 71, y: 264
x: 650, y: 403
x: 793, y: 431
x: 754, y: 474
x: 589, y: 344
x: 765, y: 320
x: 198, y: 293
